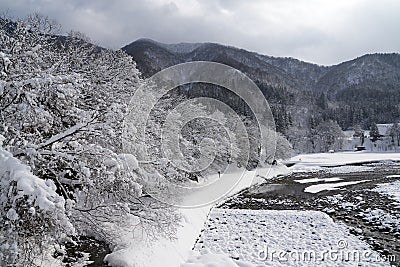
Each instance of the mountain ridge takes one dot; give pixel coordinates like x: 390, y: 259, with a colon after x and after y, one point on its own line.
x: 304, y: 92
x: 289, y: 71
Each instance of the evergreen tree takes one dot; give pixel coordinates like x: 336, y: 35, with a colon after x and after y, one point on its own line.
x: 322, y: 101
x: 374, y: 132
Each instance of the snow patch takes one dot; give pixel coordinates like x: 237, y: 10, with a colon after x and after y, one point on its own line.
x: 314, y: 180
x: 208, y: 259
x: 393, y: 176
x: 391, y: 189
x: 330, y: 186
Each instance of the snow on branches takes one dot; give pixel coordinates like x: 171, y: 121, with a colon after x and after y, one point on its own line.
x: 32, y: 214
x: 62, y: 103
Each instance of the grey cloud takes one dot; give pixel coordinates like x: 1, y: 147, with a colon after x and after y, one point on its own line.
x: 316, y: 31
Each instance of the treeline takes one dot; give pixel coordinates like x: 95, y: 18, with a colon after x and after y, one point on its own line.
x: 365, y: 104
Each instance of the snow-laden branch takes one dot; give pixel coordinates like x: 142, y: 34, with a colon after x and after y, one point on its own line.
x: 70, y: 131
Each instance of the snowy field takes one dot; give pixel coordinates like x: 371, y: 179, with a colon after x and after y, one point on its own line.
x: 249, y: 237
x: 316, y: 162
x: 279, y: 238
x: 327, y: 161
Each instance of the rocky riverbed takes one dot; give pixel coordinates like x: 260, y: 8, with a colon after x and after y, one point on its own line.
x: 349, y: 197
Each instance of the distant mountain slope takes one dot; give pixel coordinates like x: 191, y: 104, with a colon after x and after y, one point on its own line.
x: 306, y: 72
x: 300, y: 89
x: 152, y: 56
x: 375, y: 68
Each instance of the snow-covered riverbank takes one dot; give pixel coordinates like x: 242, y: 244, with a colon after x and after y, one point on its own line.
x: 172, y: 253
x: 179, y: 252
x: 245, y: 237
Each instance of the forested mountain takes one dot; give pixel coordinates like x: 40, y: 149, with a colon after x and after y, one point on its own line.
x: 363, y: 90
x: 302, y: 95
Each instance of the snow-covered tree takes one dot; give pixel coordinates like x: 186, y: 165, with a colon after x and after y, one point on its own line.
x: 193, y: 139
x: 33, y: 215
x: 284, y: 149
x: 297, y: 137
x: 62, y: 103
x: 329, y: 135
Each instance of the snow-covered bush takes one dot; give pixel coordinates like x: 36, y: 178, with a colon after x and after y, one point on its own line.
x: 32, y: 214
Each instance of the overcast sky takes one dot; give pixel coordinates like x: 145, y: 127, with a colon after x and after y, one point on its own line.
x: 320, y: 31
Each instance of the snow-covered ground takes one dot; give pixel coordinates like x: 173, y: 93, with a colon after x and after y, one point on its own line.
x: 381, y: 218
x: 329, y: 186
x: 316, y: 162
x: 249, y: 237
x: 325, y: 161
x: 172, y: 253
x: 390, y: 189
x: 279, y: 238
x: 277, y: 230
x: 314, y: 180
